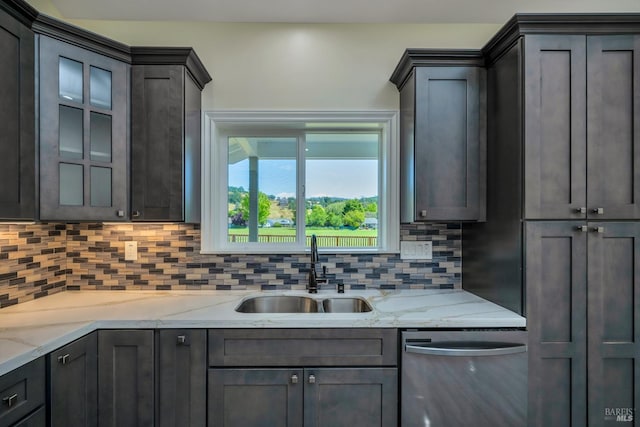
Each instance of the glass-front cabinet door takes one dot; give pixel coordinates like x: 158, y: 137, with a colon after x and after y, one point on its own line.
x: 83, y: 134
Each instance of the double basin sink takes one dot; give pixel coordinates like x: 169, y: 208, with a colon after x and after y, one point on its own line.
x: 303, y: 304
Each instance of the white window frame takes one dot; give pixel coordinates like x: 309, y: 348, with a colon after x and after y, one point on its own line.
x: 216, y: 125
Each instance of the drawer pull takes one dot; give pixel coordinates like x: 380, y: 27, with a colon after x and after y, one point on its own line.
x: 312, y: 379
x: 294, y: 379
x: 581, y: 210
x: 598, y: 229
x: 63, y: 359
x: 598, y: 211
x: 582, y: 228
x: 10, y: 400
x: 182, y: 340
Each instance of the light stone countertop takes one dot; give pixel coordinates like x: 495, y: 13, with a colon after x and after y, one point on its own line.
x: 35, y: 328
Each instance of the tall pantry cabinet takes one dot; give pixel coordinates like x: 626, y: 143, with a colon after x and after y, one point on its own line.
x: 562, y: 236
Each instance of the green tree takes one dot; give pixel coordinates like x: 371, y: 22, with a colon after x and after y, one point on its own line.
x: 264, y: 206
x: 353, y: 205
x: 317, y: 217
x: 236, y: 194
x: 371, y: 207
x: 334, y: 220
x: 354, y: 219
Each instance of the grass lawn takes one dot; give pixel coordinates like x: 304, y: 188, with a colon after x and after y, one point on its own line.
x: 291, y: 231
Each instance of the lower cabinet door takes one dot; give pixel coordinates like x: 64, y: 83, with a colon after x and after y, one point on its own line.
x: 322, y: 397
x: 255, y: 397
x: 125, y: 375
x: 351, y: 397
x: 74, y: 383
x: 181, y: 377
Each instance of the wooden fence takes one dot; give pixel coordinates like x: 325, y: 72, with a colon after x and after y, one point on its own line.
x: 323, y: 241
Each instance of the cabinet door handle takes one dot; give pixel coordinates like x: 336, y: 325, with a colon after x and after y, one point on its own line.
x: 135, y: 214
x: 581, y: 210
x: 582, y: 228
x: 294, y: 379
x: 182, y: 340
x: 10, y: 400
x: 63, y: 359
x: 120, y: 213
x: 312, y: 379
x: 598, y: 229
x: 598, y: 211
x: 423, y: 213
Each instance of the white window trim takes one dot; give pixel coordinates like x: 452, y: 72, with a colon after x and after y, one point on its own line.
x: 213, y: 190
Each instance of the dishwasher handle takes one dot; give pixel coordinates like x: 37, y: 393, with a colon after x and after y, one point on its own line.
x: 466, y: 348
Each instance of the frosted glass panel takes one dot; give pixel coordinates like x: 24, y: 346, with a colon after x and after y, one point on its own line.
x: 100, y: 137
x: 100, y: 186
x: 70, y: 80
x: 71, y: 185
x: 70, y: 133
x: 100, y: 88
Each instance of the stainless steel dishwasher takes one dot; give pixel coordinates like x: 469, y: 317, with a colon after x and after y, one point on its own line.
x: 464, y: 378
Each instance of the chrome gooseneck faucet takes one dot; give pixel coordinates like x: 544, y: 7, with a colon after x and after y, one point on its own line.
x: 314, y: 279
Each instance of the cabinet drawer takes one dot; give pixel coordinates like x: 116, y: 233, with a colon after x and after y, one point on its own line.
x: 298, y: 347
x: 37, y: 419
x: 21, y: 391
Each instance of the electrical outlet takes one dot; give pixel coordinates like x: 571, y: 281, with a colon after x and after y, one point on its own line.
x: 131, y: 251
x: 416, y: 250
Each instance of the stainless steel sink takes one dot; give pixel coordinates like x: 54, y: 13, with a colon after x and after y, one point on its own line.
x: 345, y: 305
x: 278, y: 304
x: 302, y: 304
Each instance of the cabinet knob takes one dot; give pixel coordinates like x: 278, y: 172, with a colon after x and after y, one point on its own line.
x: 294, y: 379
x: 582, y: 210
x: 10, y: 400
x: 120, y: 213
x: 582, y: 228
x: 63, y: 359
x: 598, y: 211
x: 312, y: 379
x: 598, y: 229
x: 423, y: 213
x: 182, y: 340
x: 135, y: 214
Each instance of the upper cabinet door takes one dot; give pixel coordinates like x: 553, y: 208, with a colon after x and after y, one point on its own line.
x: 17, y: 138
x: 157, y: 113
x: 83, y: 134
x: 613, y: 126
x: 555, y: 152
x: 448, y: 144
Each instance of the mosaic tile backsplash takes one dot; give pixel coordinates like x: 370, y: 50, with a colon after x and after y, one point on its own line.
x: 40, y: 259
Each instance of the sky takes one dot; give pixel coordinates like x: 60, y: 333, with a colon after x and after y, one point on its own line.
x: 336, y: 178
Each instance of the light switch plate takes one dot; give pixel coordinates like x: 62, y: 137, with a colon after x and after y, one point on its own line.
x: 416, y: 250
x: 131, y: 251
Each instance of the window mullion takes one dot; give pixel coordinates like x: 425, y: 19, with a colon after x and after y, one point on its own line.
x: 301, y: 196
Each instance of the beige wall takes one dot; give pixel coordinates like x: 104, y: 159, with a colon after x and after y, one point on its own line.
x: 295, y: 66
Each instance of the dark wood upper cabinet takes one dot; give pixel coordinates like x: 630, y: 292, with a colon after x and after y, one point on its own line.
x: 613, y: 126
x: 17, y: 114
x: 581, y: 127
x: 442, y: 135
x: 165, y: 147
x: 84, y: 133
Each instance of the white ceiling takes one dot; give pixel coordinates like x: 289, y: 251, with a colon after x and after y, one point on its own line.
x: 331, y: 11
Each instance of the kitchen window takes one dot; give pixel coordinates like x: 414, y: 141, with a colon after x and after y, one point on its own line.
x: 271, y: 180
